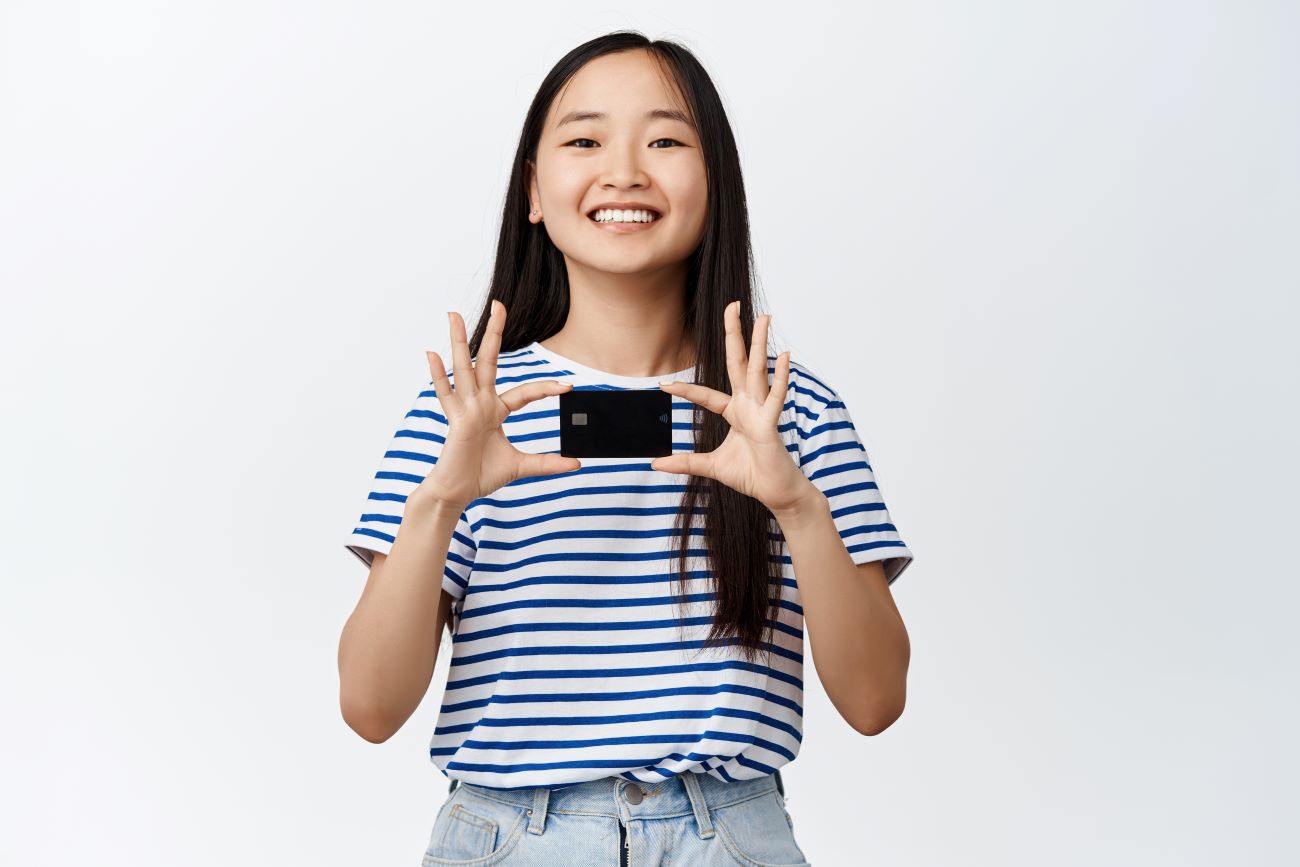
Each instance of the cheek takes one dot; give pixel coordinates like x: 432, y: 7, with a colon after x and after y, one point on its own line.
x: 691, y: 206
x: 689, y: 193
x: 561, y: 190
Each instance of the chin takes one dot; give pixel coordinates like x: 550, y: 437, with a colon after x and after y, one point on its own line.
x: 622, y: 264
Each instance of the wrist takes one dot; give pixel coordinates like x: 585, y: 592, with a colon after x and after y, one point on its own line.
x: 432, y: 506
x: 810, y: 505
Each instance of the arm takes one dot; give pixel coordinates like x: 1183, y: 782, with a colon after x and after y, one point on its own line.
x: 859, y: 643
x: 389, y: 645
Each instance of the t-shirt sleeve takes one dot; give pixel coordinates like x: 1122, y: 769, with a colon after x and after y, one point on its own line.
x: 832, y: 456
x: 411, y: 454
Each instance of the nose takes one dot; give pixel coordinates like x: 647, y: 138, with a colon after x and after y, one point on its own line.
x: 624, y: 169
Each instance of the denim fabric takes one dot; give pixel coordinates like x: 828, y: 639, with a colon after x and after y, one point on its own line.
x: 687, y: 819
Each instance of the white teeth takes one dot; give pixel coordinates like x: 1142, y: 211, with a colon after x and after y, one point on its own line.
x: 616, y: 216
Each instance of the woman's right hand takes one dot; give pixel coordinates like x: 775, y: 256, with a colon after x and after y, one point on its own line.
x: 477, y: 459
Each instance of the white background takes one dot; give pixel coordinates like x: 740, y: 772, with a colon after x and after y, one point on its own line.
x: 1045, y: 251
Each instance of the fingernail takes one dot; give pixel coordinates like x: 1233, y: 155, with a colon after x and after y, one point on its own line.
x: 665, y: 382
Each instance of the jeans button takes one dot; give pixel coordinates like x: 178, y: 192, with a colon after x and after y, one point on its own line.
x: 633, y: 795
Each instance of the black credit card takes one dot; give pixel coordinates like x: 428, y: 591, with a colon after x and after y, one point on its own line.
x: 626, y: 423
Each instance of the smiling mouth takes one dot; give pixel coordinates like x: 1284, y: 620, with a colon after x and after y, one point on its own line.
x: 603, y: 216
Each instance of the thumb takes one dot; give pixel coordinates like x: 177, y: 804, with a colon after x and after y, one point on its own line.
x: 686, y: 463
x: 547, y: 465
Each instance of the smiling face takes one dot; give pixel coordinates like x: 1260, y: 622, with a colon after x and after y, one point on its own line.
x: 619, y: 133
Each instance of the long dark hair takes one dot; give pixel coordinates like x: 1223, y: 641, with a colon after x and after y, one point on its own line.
x: 530, y: 279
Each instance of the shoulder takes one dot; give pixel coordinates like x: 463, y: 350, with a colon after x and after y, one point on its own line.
x: 808, y: 396
x: 810, y: 392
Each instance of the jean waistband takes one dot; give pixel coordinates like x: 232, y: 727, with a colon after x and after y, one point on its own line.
x: 682, y: 794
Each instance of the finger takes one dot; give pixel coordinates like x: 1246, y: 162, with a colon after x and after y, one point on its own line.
x: 757, y: 367
x: 460, y: 358
x: 546, y: 464
x: 686, y: 463
x: 485, y: 368
x: 447, y: 396
x: 735, y: 348
x: 780, y: 381
x: 709, y: 398
x: 524, y: 394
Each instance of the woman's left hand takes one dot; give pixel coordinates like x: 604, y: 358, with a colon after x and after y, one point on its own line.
x: 753, y: 458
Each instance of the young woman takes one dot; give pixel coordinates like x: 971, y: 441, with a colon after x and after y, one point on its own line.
x: 627, y: 634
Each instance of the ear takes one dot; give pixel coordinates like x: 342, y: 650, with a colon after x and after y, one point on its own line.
x: 530, y: 184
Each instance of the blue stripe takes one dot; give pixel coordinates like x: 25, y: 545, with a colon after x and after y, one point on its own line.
x: 584, y: 650
x: 642, y: 671
x: 617, y: 719
x: 580, y: 627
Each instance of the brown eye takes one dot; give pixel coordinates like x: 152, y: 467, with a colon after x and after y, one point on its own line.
x: 578, y: 140
x: 673, y: 140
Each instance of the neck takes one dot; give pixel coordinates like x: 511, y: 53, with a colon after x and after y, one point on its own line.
x: 626, y: 324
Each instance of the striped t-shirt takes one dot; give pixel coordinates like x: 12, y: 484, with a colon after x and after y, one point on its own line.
x: 568, y: 659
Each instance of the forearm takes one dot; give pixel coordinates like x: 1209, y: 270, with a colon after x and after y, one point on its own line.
x: 858, y: 640
x: 389, y: 648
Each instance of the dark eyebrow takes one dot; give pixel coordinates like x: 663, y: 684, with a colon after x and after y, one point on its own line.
x: 652, y: 114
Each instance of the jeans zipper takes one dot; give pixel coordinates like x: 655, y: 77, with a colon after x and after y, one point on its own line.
x: 623, y: 846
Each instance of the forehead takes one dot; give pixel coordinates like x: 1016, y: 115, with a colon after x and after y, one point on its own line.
x: 624, y: 86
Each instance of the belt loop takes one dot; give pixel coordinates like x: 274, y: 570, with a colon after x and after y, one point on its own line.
x: 702, y: 819
x: 541, y: 799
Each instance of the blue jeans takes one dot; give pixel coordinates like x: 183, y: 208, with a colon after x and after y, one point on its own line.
x: 688, y: 818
